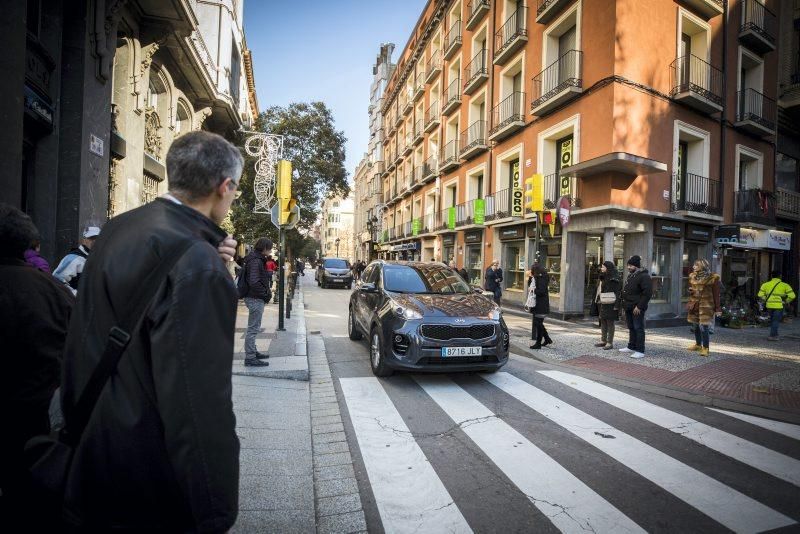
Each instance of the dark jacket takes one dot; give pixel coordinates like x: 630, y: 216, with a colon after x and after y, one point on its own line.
x: 637, y: 291
x: 542, y: 293
x: 160, y: 451
x: 493, y: 279
x: 464, y: 274
x: 258, y: 281
x: 609, y: 284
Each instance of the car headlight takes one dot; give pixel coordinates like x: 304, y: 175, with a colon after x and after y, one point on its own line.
x: 327, y: 272
x: 495, y: 315
x: 406, y: 313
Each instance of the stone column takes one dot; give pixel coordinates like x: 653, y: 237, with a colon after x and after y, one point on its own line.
x: 608, y: 244
x: 573, y: 260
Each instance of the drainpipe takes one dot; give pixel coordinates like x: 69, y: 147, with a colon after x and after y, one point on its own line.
x: 490, y: 97
x: 724, y: 102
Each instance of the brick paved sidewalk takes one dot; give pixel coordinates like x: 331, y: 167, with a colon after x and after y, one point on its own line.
x: 743, y: 366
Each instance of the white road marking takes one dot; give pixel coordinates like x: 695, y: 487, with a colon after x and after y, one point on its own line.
x: 725, y: 505
x: 409, y: 494
x: 570, y: 504
x: 771, y: 462
x: 787, y: 429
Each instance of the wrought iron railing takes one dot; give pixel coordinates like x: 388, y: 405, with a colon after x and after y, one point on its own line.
x: 430, y: 167
x: 692, y: 192
x: 474, y: 136
x: 788, y: 202
x: 434, y: 63
x: 475, y: 5
x: 453, y: 37
x: 756, y: 17
x: 542, y: 6
x: 418, y: 129
x: 690, y: 73
x: 453, y: 92
x: 450, y: 153
x: 432, y: 113
x: 511, y: 109
x: 428, y: 222
x: 496, y: 206
x: 476, y: 67
x: 755, y: 206
x: 754, y: 106
x: 515, y: 26
x: 564, y: 72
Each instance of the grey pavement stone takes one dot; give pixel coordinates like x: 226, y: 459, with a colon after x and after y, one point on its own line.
x: 275, y: 462
x: 328, y: 448
x: 284, y: 521
x: 334, y: 471
x: 342, y: 523
x: 325, y: 419
x: 325, y: 411
x: 324, y: 429
x: 264, y: 438
x: 336, y: 486
x: 274, y: 421
x: 338, y: 504
x: 277, y: 404
x: 330, y: 437
x: 336, y: 458
x: 276, y: 492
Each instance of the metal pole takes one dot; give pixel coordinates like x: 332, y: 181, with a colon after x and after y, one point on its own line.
x: 282, y: 244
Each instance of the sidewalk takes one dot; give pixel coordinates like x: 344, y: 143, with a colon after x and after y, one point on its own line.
x: 743, y: 365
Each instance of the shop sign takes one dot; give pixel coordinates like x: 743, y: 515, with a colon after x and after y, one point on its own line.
x: 38, y: 106
x: 667, y: 228
x: 515, y: 232
x: 451, y: 218
x: 727, y: 234
x: 473, y: 237
x: 479, y: 206
x: 698, y: 233
x: 405, y: 246
x: 748, y: 237
x: 517, y: 193
x: 564, y: 209
x: 448, y: 240
x: 775, y: 239
x: 565, y: 160
x: 415, y: 227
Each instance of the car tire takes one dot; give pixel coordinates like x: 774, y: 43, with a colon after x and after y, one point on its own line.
x: 352, y: 329
x: 377, y: 358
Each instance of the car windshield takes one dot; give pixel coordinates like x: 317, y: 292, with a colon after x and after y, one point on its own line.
x: 336, y: 264
x: 427, y: 279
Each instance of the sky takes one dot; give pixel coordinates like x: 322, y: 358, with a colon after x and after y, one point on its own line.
x: 306, y: 50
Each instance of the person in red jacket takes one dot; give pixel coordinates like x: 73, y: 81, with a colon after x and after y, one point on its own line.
x: 271, y: 267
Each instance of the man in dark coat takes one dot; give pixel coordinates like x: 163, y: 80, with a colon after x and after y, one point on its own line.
x: 635, y: 297
x: 494, y: 280
x: 160, y: 452
x: 34, y: 315
x: 258, y: 294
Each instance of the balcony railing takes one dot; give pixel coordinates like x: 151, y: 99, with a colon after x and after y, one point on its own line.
x: 419, y: 175
x: 428, y: 223
x: 555, y: 189
x: 788, y: 203
x: 476, y: 71
x: 511, y: 35
x: 441, y: 220
x: 432, y: 116
x: 692, y: 192
x: 692, y: 77
x: 418, y: 131
x: 508, y: 114
x: 556, y: 81
x: 758, y: 26
x: 497, y: 205
x: 755, y: 206
x: 449, y: 155
x: 419, y: 86
x: 434, y: 65
x: 476, y: 9
x: 430, y: 168
x: 452, y: 40
x: 473, y: 139
x: 453, y: 96
x: 756, y: 108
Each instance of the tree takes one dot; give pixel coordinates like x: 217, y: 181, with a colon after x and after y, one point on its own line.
x: 316, y: 150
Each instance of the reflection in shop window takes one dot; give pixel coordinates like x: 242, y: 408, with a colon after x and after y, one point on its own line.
x: 659, y: 271
x: 515, y: 266
x: 691, y: 253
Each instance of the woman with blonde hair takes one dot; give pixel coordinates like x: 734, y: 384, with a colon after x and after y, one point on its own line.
x: 704, y: 303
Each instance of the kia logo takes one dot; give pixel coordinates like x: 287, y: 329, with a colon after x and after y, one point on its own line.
x: 461, y: 321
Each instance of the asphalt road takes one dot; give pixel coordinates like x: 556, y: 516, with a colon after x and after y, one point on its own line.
x: 532, y: 449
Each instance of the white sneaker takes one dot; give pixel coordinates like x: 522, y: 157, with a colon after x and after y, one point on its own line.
x: 625, y: 349
x: 637, y: 355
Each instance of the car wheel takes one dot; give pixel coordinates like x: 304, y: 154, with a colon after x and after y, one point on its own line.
x: 376, y: 355
x: 352, y: 329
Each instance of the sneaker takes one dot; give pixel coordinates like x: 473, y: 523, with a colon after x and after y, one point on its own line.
x: 262, y: 356
x: 704, y: 352
x: 608, y: 346
x: 637, y: 355
x: 625, y: 349
x: 600, y: 344
x: 254, y: 362
x: 694, y: 347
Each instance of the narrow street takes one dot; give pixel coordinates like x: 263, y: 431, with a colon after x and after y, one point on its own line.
x: 535, y: 449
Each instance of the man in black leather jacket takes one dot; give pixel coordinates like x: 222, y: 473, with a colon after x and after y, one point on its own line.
x: 160, y: 452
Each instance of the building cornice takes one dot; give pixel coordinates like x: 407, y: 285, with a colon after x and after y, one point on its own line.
x: 247, y: 56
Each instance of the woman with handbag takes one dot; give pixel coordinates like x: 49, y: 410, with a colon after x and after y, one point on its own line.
x: 607, y: 302
x: 538, y: 305
x: 704, y: 303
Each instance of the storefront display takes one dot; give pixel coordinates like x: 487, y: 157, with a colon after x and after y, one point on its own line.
x: 660, y: 270
x: 448, y: 248
x: 473, y: 258
x: 514, y: 265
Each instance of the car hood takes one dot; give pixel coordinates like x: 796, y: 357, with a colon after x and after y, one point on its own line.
x: 459, y: 305
x: 337, y: 271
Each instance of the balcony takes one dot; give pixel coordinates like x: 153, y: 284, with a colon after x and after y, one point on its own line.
x: 508, y: 116
x: 547, y: 10
x: 409, y: 144
x: 756, y: 113
x: 476, y: 72
x: 453, y: 96
x: 787, y: 204
x: 392, y: 161
x: 432, y: 120
x: 497, y: 205
x: 452, y: 41
x: 434, y: 66
x: 449, y: 156
x: 558, y: 83
x: 430, y: 169
x: 419, y: 132
x: 429, y: 223
x: 511, y: 36
x: 441, y: 219
x: 696, y: 83
x: 755, y: 207
x: 759, y: 26
x: 419, y: 87
x: 408, y: 183
x: 706, y: 8
x: 695, y: 196
x: 408, y: 103
x: 473, y: 140
x: 398, y: 115
x: 476, y: 9
x: 399, y: 156
x: 555, y: 187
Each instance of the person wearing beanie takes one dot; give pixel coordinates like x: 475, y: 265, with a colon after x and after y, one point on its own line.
x: 635, y: 297
x: 607, y: 309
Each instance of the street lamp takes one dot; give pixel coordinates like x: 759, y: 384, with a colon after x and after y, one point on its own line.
x: 337, y: 247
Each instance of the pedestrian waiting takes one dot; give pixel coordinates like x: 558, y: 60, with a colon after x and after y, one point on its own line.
x: 704, y: 304
x: 494, y: 281
x: 635, y: 297
x: 539, y: 306
x: 606, y: 303
x: 256, y: 295
x: 776, y: 294
x: 70, y: 268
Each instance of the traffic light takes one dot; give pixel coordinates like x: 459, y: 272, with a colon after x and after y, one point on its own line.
x: 534, y: 193
x: 549, y: 218
x: 283, y: 190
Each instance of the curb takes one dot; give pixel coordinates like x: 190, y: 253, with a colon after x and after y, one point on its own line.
x: 752, y: 408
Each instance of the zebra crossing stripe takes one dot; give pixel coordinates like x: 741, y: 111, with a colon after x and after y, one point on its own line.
x: 766, y: 460
x: 569, y: 503
x: 725, y: 505
x: 786, y: 429
x: 409, y: 495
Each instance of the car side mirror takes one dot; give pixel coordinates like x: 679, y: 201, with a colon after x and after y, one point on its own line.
x: 368, y: 288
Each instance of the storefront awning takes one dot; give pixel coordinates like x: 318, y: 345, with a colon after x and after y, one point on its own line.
x: 615, y: 162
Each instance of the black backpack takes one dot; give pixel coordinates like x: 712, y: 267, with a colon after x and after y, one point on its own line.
x: 242, y: 287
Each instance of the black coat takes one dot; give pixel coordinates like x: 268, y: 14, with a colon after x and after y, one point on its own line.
x: 637, y: 291
x: 608, y: 311
x: 542, y: 294
x: 258, y: 281
x: 493, y: 279
x: 160, y: 451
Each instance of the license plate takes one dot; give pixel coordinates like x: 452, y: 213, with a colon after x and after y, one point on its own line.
x: 337, y: 280
x: 461, y: 351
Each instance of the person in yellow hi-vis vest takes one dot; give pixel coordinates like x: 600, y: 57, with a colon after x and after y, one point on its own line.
x: 775, y: 293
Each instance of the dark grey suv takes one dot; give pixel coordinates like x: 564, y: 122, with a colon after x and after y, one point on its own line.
x: 424, y: 316
x: 334, y: 272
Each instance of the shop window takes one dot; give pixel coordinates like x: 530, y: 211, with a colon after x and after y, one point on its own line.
x: 691, y: 253
x: 787, y: 172
x: 514, y: 270
x: 660, y: 270
x: 474, y: 264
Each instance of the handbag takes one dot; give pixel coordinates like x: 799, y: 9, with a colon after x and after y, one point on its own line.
x: 608, y: 297
x: 50, y: 457
x: 530, y: 302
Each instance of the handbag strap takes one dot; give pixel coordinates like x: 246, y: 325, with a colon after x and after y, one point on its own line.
x: 119, y: 336
x: 766, y: 300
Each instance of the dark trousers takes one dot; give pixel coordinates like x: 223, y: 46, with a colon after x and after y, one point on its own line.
x: 701, y: 334
x: 497, y: 294
x: 775, y: 317
x: 635, y: 330
x: 538, y: 330
x: 607, y: 330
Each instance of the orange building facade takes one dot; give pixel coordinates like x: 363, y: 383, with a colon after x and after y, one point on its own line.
x: 653, y: 122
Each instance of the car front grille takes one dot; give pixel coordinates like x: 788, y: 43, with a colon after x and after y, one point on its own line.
x: 445, y: 331
x: 455, y: 360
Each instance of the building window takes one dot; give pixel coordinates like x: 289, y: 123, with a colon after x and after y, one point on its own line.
x: 691, y: 253
x: 660, y: 270
x: 787, y: 172
x: 749, y: 168
x: 149, y: 190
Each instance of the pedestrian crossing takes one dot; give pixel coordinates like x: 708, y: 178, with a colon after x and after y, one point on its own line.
x: 410, y: 485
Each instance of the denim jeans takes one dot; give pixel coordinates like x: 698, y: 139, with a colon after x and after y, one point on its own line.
x: 635, y: 330
x: 701, y: 334
x: 256, y: 309
x: 498, y: 293
x: 775, y: 320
